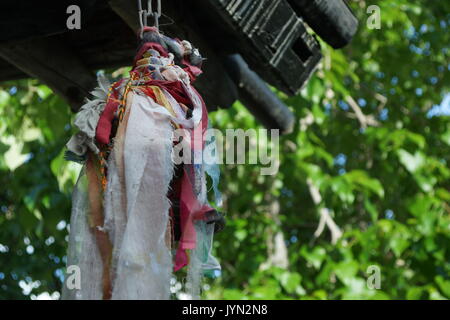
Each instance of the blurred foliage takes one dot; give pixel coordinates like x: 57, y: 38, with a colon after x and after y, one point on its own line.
x: 386, y: 184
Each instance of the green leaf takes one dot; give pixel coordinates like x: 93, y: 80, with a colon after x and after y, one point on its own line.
x: 346, y: 271
x: 444, y: 285
x: 446, y: 137
x: 290, y: 281
x: 411, y: 162
x: 361, y: 179
x: 315, y: 257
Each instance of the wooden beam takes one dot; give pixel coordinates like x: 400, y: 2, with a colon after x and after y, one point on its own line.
x: 258, y: 98
x: 50, y: 61
x: 268, y: 34
x: 333, y: 20
x: 128, y: 11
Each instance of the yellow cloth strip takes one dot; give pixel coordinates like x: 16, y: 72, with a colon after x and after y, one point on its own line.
x: 162, y: 100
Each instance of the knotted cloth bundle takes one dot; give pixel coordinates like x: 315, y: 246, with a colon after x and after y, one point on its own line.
x: 132, y: 205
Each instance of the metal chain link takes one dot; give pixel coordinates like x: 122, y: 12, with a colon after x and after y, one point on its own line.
x: 144, y: 14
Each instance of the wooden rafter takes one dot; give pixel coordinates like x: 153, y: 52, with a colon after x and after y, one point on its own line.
x: 54, y: 64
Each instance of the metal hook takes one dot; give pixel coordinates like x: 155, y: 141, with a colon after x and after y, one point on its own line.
x: 144, y: 14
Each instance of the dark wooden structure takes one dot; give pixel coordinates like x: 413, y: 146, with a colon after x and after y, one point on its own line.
x: 248, y: 43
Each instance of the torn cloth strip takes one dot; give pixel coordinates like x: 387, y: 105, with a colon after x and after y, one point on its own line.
x: 190, y: 210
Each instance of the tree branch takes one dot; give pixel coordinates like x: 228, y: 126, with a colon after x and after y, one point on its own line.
x: 325, y: 217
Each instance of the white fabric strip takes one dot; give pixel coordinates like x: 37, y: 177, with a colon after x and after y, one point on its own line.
x: 143, y: 260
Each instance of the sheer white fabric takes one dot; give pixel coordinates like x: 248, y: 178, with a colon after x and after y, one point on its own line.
x: 83, y: 251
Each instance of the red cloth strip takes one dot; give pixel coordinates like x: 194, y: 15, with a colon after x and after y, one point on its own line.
x: 104, y: 124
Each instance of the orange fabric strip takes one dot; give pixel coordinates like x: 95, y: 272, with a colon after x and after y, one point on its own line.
x: 96, y: 220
